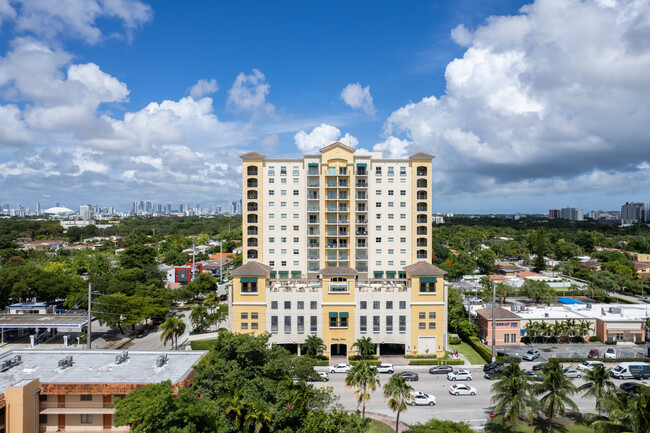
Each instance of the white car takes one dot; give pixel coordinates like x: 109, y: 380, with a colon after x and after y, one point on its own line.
x: 459, y: 375
x: 531, y: 355
x: 340, y: 368
x: 571, y: 373
x: 610, y: 353
x: 324, y: 376
x: 462, y: 390
x: 422, y: 399
x: 385, y: 368
x: 589, y: 365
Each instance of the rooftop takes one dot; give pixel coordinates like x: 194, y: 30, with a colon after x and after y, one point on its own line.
x: 73, y: 321
x: 97, y: 366
x: 424, y: 268
x: 499, y: 313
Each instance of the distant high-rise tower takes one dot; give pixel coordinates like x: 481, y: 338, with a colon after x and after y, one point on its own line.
x: 86, y: 212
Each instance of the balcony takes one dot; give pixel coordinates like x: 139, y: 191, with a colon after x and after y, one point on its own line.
x: 362, y: 184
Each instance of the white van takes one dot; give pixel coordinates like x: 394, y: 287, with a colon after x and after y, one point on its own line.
x: 631, y: 370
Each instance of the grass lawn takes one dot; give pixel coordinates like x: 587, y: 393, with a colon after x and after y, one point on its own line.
x: 472, y: 356
x: 497, y: 426
x: 380, y: 427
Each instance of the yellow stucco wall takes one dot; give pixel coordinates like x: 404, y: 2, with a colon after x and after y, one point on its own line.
x: 259, y: 163
x: 428, y: 303
x: 260, y: 308
x: 21, y: 405
x: 414, y: 164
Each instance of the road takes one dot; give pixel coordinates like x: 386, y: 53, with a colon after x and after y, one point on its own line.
x: 474, y: 409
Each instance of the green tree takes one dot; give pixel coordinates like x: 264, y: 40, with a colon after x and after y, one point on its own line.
x: 364, y: 380
x: 203, y: 283
x: 172, y: 328
x: 598, y: 384
x: 485, y: 261
x: 441, y: 426
x: 512, y: 395
x: 556, y: 391
x: 626, y: 413
x: 539, y: 264
x: 138, y: 256
x: 313, y: 345
x: 365, y: 347
x: 467, y: 330
x: 398, y: 394
x: 199, y: 317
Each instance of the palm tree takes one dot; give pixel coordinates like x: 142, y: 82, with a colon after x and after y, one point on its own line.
x: 363, y: 378
x: 583, y: 328
x: 626, y: 413
x: 313, y: 345
x: 398, y: 393
x: 235, y: 409
x: 258, y: 418
x: 502, y: 291
x: 365, y: 347
x: 199, y: 318
x: 211, y: 301
x: 172, y: 328
x: 597, y: 384
x: 557, y: 391
x: 513, y: 395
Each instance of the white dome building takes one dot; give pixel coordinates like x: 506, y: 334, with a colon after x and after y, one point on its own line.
x: 58, y: 211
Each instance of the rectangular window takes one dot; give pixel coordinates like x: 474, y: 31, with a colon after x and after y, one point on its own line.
x: 42, y: 397
x: 300, y: 305
x: 513, y: 338
x: 402, y: 323
x: 391, y: 192
x: 295, y: 171
x: 506, y: 338
x: 378, y: 240
x: 244, y: 325
x: 428, y: 285
x: 422, y: 325
x: 378, y: 204
x: 402, y: 204
x: 402, y: 216
x: 254, y: 325
x: 402, y: 192
x: 301, y: 324
x: 391, y: 171
x: 296, y: 192
x: 287, y: 324
x: 376, y: 305
x: 422, y: 316
x: 244, y: 316
x: 86, y: 397
x: 274, y: 305
x: 249, y: 285
x: 402, y: 305
x: 378, y: 171
x: 283, y: 192
x: 42, y: 418
x: 363, y: 323
x: 271, y: 192
x: 389, y: 305
x: 254, y: 316
x: 283, y: 171
x: 432, y: 314
x: 274, y: 324
x: 391, y: 204
x: 402, y: 171
x: 287, y: 305
x: 313, y: 324
x: 313, y: 305
x: 86, y: 418
x: 376, y: 324
x: 432, y: 325
x: 389, y: 323
x: 363, y: 305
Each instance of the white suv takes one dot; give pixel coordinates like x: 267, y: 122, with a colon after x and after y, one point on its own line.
x: 531, y: 355
x: 422, y: 399
x: 610, y: 353
x: 459, y: 375
x: 589, y: 365
x: 385, y: 368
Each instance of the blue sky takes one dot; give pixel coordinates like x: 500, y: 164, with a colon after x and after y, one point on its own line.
x: 526, y: 105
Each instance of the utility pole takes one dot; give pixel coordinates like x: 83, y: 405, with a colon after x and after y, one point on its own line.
x: 493, y: 328
x: 89, y: 333
x: 221, y: 261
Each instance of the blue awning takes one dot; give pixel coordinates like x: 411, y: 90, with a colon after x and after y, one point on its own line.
x: 570, y: 301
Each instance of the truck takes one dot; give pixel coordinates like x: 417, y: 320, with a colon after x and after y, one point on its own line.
x: 631, y: 370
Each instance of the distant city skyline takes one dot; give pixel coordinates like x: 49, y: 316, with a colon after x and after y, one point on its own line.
x: 159, y: 99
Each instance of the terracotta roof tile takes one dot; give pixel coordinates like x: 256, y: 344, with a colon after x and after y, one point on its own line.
x: 342, y: 270
x: 252, y: 269
x: 421, y: 155
x: 499, y: 313
x: 252, y: 155
x: 423, y: 268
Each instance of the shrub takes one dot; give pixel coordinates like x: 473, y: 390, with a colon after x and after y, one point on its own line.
x: 509, y: 359
x: 525, y: 339
x: 607, y: 361
x: 610, y: 342
x: 640, y: 342
x: 593, y: 339
x: 437, y: 362
x: 420, y: 356
x: 455, y: 340
x: 359, y: 357
x: 485, y: 353
x: 577, y: 339
x: 370, y: 362
x: 320, y: 363
x: 319, y: 357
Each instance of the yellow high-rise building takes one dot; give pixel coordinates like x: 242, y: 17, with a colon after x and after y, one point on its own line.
x: 339, y: 245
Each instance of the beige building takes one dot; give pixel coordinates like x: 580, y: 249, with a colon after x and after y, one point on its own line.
x: 338, y: 245
x: 72, y: 390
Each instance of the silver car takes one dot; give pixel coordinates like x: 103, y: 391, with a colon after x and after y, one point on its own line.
x: 571, y: 373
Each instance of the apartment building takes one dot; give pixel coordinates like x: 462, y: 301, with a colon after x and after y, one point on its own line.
x: 72, y: 390
x: 338, y: 245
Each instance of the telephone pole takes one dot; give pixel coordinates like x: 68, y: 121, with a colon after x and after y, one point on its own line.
x: 89, y: 333
x: 493, y: 328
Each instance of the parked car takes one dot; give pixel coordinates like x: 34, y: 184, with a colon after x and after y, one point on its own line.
x: 492, y: 365
x: 441, y: 369
x: 631, y: 388
x: 422, y: 399
x: 462, y: 389
x: 533, y: 375
x: 531, y: 355
x: 647, y: 300
x: 589, y: 365
x: 610, y: 353
x: 631, y: 370
x: 324, y: 376
x: 593, y: 353
x: 459, y: 375
x: 385, y: 368
x: 539, y: 366
x: 340, y: 368
x: 571, y: 373
x: 409, y: 376
x: 491, y: 373
x: 142, y: 333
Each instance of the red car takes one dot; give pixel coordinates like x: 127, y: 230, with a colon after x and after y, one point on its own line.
x: 593, y: 353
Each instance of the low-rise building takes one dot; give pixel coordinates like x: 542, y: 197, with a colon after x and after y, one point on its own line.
x: 72, y: 390
x: 507, y: 326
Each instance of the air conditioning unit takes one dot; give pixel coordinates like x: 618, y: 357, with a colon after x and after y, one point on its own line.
x: 65, y: 362
x: 161, y: 360
x: 5, y: 365
x: 122, y: 357
x: 545, y: 314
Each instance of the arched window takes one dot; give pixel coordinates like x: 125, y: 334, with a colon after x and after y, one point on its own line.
x: 252, y: 207
x: 251, y: 171
x: 421, y: 171
x: 252, y: 254
x: 422, y: 207
x: 420, y: 230
x: 421, y: 254
x: 252, y: 242
x: 251, y: 183
x: 421, y: 242
x: 422, y: 195
x: 252, y: 195
x: 253, y: 231
x: 252, y: 219
x: 422, y: 183
x: 421, y: 219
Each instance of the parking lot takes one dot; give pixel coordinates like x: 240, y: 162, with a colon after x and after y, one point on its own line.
x: 474, y: 409
x: 579, y: 350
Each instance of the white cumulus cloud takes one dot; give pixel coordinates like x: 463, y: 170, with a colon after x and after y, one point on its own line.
x: 203, y: 87
x: 393, y: 148
x: 358, y: 97
x: 321, y: 136
x: 249, y: 93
